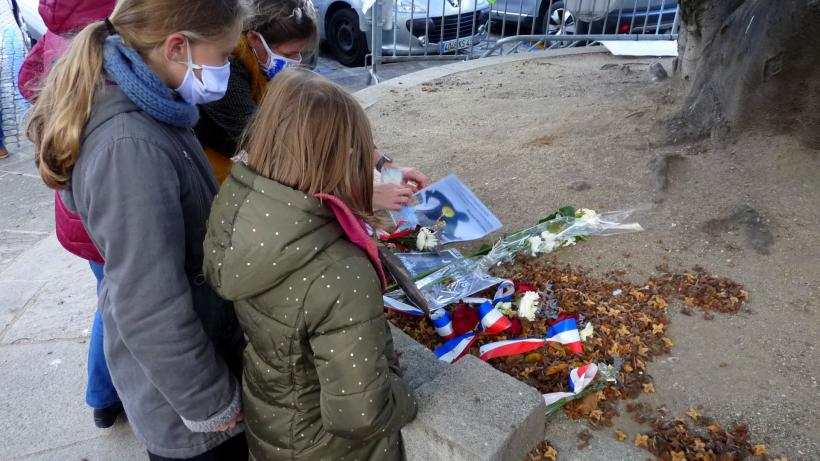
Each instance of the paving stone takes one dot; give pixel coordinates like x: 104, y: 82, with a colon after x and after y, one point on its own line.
x: 47, y: 261
x: 42, y: 404
x: 27, y: 204
x: 118, y: 444
x: 63, y: 309
x: 471, y: 412
x: 12, y: 244
x: 418, y: 363
x: 14, y: 295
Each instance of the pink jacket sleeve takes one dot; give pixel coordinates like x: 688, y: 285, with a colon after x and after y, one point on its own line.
x: 32, y: 69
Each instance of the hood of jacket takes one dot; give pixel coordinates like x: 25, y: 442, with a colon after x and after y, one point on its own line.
x: 64, y: 16
x: 260, y: 232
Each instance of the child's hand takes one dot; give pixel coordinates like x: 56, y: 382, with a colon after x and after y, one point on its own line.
x: 391, y: 196
x: 414, y: 178
x: 239, y: 418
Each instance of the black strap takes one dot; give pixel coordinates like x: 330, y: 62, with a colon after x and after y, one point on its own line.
x: 110, y: 27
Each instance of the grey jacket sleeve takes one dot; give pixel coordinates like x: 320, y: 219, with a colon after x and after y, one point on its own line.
x: 131, y: 194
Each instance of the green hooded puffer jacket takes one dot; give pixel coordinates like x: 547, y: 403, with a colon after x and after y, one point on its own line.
x: 320, y: 375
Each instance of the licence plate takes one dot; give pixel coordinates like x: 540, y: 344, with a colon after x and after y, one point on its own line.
x: 458, y: 44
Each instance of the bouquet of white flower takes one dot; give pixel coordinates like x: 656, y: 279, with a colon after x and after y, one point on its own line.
x: 469, y: 275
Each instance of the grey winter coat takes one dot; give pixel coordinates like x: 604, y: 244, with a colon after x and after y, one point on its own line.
x: 143, y: 190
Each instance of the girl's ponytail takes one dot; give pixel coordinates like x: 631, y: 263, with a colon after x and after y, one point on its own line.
x: 63, y: 107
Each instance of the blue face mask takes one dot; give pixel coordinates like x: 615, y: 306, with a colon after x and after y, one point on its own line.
x: 275, y: 63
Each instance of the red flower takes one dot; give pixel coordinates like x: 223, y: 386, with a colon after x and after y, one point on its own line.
x: 515, y: 327
x: 522, y: 287
x: 465, y: 319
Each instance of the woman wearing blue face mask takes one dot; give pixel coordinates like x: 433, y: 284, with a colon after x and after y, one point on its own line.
x: 276, y: 36
x: 112, y: 132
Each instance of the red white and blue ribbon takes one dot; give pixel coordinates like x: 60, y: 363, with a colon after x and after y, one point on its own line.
x: 509, y: 347
x: 455, y: 348
x: 492, y: 320
x: 504, y: 293
x: 579, y: 379
x: 566, y: 333
x: 398, y: 306
x: 443, y: 323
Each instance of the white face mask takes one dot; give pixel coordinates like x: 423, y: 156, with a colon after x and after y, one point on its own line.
x: 275, y: 62
x: 211, y: 88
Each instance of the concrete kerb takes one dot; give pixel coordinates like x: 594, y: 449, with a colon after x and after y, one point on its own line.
x: 467, y: 411
x: 371, y: 95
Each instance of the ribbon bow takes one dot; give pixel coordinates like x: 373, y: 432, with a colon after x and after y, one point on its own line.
x: 579, y: 379
x: 564, y: 332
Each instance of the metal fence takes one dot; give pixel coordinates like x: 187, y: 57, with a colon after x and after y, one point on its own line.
x: 405, y: 30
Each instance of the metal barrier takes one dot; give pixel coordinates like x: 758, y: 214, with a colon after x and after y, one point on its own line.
x: 408, y: 30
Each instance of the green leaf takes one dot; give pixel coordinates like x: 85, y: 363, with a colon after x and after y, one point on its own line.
x: 548, y: 218
x: 482, y: 250
x: 567, y: 211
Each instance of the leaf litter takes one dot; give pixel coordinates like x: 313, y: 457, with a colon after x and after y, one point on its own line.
x: 630, y: 322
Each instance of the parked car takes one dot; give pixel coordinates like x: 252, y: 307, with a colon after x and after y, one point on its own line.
x: 412, y: 27
x: 569, y: 17
x: 29, y: 20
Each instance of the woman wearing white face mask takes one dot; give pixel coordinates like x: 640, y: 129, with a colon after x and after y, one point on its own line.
x: 112, y: 132
x: 277, y: 35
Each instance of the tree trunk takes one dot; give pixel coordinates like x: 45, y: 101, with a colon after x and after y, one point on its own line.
x: 748, y: 64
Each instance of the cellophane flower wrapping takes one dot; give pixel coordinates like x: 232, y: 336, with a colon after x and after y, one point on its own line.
x: 453, y: 282
x: 559, y: 231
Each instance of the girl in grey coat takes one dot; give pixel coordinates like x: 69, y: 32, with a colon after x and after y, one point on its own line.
x: 112, y: 130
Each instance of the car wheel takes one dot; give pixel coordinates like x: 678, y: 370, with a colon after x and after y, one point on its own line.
x: 558, y: 21
x: 347, y: 42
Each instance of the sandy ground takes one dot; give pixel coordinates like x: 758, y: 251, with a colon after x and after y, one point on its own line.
x: 530, y: 137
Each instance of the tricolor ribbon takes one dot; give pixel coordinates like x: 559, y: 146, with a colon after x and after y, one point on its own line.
x: 492, y: 321
x: 384, y: 235
x: 443, y: 323
x: 398, y: 306
x: 579, y: 379
x: 455, y: 348
x: 504, y: 293
x: 509, y: 347
x: 564, y: 332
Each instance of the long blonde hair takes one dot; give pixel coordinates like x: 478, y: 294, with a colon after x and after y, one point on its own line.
x: 310, y: 134
x: 63, y: 107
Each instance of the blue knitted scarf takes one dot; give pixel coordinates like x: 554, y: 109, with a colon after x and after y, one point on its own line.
x: 143, y: 87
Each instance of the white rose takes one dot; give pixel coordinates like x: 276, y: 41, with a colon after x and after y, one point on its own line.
x: 426, y: 240
x: 548, y: 242
x: 528, y: 305
x: 535, y: 244
x: 587, y: 217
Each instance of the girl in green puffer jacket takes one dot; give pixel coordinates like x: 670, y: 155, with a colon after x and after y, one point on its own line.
x: 321, y: 380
